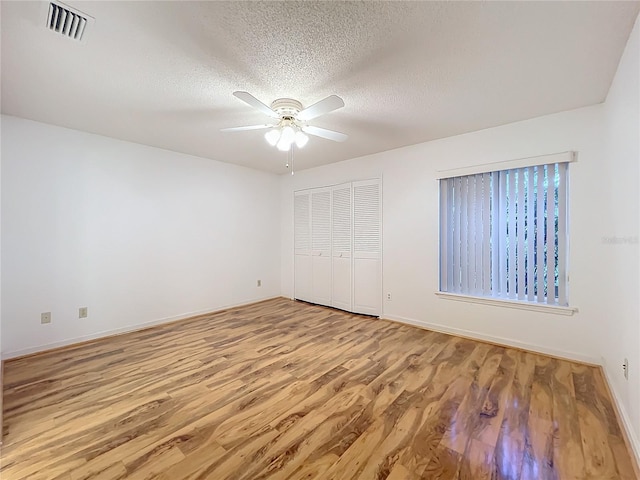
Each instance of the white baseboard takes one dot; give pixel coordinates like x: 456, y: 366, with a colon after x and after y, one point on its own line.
x: 493, y: 339
x: 127, y: 329
x: 632, y: 436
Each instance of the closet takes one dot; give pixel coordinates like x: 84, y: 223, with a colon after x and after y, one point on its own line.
x: 338, y: 246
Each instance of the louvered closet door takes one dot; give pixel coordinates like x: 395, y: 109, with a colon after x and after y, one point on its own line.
x: 342, y: 227
x: 302, y: 246
x: 321, y: 245
x: 367, y: 247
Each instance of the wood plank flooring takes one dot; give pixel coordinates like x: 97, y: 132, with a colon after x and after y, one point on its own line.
x: 286, y: 390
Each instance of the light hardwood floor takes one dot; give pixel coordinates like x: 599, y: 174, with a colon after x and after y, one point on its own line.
x: 286, y: 390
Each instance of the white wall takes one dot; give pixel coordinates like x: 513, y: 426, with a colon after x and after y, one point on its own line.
x: 619, y: 331
x: 134, y: 233
x: 410, y: 230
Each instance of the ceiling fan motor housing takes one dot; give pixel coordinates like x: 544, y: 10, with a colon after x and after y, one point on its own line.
x: 286, y: 107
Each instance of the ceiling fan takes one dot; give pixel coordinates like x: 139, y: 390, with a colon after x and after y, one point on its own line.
x: 291, y: 120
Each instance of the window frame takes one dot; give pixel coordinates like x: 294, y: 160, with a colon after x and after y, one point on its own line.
x: 486, y: 168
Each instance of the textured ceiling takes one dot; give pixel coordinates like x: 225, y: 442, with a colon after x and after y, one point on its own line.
x: 163, y: 73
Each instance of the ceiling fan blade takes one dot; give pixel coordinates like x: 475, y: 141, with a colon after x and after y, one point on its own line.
x: 324, y: 133
x: 329, y: 104
x: 255, y: 103
x: 242, y: 129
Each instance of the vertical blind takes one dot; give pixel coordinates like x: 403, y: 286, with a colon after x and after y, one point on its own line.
x: 503, y: 234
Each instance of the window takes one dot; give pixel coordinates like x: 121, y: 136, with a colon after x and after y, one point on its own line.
x: 504, y: 235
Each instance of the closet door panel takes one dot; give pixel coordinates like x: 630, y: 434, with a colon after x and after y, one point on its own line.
x: 367, y: 247
x: 321, y: 245
x: 303, y: 289
x: 341, y: 246
x: 321, y: 280
x: 302, y: 246
x: 341, y: 285
x: 366, y: 286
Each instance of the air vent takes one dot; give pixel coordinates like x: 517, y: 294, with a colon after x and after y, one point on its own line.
x: 67, y: 21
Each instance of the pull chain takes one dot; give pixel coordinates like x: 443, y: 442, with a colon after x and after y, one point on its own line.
x: 291, y: 157
x: 290, y: 161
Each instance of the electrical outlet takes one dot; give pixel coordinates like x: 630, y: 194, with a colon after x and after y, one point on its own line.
x: 82, y: 312
x: 625, y: 368
x: 388, y: 296
x: 259, y: 283
x: 45, y: 317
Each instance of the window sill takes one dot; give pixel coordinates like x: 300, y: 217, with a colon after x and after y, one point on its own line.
x: 501, y: 302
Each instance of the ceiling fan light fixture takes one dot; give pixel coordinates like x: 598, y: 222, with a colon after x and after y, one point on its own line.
x: 272, y: 137
x: 288, y: 134
x: 283, y: 145
x: 287, y: 137
x: 301, y: 139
